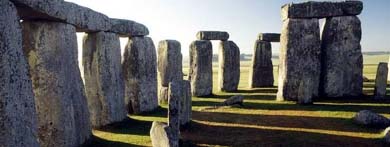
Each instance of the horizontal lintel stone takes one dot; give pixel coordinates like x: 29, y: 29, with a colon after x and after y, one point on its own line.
x: 269, y: 37
x: 212, y: 35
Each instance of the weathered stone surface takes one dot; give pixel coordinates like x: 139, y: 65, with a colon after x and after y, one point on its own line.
x: 104, y: 85
x: 299, y: 59
x: 386, y: 138
x: 314, y: 9
x: 229, y: 66
x: 169, y: 61
x: 201, y: 72
x: 381, y: 80
x: 371, y: 119
x: 162, y: 135
x: 51, y: 49
x: 163, y: 95
x: 175, y: 96
x: 128, y: 28
x: 18, y: 123
x: 140, y: 75
x: 234, y: 100
x: 85, y: 19
x: 342, y: 60
x: 261, y: 73
x: 269, y: 37
x: 212, y: 35
x: 185, y: 103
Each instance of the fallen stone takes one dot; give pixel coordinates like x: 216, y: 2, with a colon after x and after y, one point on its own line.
x: 299, y: 59
x: 200, y: 72
x: 128, y: 28
x: 269, y: 37
x: 381, y: 80
x: 365, y: 79
x: 314, y: 9
x: 234, y: 100
x: 229, y: 66
x: 185, y: 103
x: 104, y: 84
x: 169, y: 61
x: 261, y: 73
x: 386, y: 138
x: 175, y: 96
x: 212, y: 35
x: 140, y: 75
x: 371, y: 119
x: 18, y: 121
x: 162, y: 135
x: 51, y: 49
x: 342, y: 59
x: 163, y: 95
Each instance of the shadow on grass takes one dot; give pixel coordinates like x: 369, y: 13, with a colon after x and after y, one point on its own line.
x: 100, y: 142
x: 243, y: 136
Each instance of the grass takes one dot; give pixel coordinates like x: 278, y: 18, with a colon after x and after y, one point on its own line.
x: 262, y: 121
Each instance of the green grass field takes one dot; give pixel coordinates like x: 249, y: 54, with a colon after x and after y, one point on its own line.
x: 262, y: 121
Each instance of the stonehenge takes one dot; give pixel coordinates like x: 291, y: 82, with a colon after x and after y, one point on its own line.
x: 381, y: 80
x: 201, y: 72
x: 104, y: 86
x: 261, y: 72
x: 229, y: 66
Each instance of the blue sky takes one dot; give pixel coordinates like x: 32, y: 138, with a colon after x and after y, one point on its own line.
x: 243, y: 19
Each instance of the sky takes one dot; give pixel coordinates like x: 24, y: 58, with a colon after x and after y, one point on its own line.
x: 243, y: 19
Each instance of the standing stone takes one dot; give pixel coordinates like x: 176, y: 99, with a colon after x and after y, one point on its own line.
x: 104, y: 84
x: 161, y: 135
x: 201, y: 72
x: 381, y: 80
x: 299, y: 59
x: 261, y: 73
x: 140, y: 75
x: 18, y: 123
x: 229, y: 66
x: 342, y: 60
x: 212, y: 35
x: 51, y: 49
x: 185, y: 103
x: 175, y: 95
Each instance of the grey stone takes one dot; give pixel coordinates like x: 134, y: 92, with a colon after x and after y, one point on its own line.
x: 175, y: 95
x: 51, y: 49
x: 162, y: 135
x: 234, y: 100
x: 314, y: 9
x: 299, y: 59
x: 163, y: 95
x: 261, y: 72
x: 381, y: 80
x: 140, y: 74
x: 269, y: 37
x: 201, y: 72
x: 18, y: 121
x: 342, y: 59
x: 386, y: 138
x: 169, y: 61
x: 104, y: 85
x: 371, y: 119
x: 212, y: 35
x: 128, y: 28
x: 185, y: 103
x: 229, y: 66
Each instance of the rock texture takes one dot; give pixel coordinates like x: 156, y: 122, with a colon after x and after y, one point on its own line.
x: 212, y: 35
x: 381, y: 80
x: 371, y: 119
x: 229, y: 66
x: 51, y: 49
x: 314, y: 9
x: 162, y: 135
x: 299, y: 59
x: 140, y: 75
x: 261, y: 73
x: 18, y: 123
x: 342, y: 60
x: 201, y: 73
x: 234, y: 100
x: 185, y: 103
x: 104, y: 85
x: 129, y: 28
x: 169, y: 61
x: 175, y: 96
x: 269, y: 37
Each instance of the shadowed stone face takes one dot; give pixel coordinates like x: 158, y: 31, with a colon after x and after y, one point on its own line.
x: 128, y: 28
x: 261, y: 72
x: 104, y: 83
x: 51, y: 49
x: 201, y: 73
x: 299, y: 59
x: 269, y: 37
x: 212, y: 35
x: 381, y: 80
x: 18, y: 123
x: 342, y: 60
x: 140, y: 75
x: 229, y: 66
